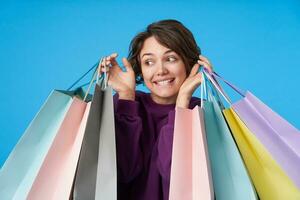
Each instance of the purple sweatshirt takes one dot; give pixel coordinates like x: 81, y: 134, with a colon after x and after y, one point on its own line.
x: 144, y: 138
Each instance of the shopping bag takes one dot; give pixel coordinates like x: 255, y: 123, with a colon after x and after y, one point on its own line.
x: 86, y: 175
x: 96, y: 176
x: 190, y: 168
x: 270, y: 181
x: 106, y: 187
x: 269, y: 178
x: 278, y: 136
x: 56, y: 175
x: 21, y: 168
x: 230, y: 176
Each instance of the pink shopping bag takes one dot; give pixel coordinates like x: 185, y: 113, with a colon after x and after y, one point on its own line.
x: 190, y: 169
x: 55, y: 178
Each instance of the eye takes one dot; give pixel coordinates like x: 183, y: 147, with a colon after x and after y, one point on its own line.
x: 171, y: 59
x: 148, y: 62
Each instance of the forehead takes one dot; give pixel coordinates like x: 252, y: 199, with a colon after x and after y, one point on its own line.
x: 151, y: 45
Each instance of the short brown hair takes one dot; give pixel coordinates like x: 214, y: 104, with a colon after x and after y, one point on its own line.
x: 171, y: 34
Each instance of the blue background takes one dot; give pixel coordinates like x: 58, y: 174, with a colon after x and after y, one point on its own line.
x: 44, y: 46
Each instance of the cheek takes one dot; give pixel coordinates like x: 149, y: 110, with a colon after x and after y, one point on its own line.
x: 180, y: 72
x: 147, y: 75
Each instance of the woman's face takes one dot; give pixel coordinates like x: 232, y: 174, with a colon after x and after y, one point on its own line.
x: 163, y: 71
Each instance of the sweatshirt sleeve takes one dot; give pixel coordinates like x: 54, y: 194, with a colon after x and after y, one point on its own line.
x: 128, y: 133
x: 164, y: 146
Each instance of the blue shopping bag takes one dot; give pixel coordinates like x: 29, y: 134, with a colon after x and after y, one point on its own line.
x: 230, y: 177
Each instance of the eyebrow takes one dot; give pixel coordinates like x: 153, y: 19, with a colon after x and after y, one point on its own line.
x: 149, y: 54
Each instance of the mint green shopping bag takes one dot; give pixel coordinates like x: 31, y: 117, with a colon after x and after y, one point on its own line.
x: 22, y: 165
x: 230, y: 177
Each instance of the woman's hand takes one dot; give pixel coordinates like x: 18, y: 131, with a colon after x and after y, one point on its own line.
x: 122, y: 82
x: 192, y: 82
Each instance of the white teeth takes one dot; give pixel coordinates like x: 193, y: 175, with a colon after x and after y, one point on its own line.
x: 164, y: 82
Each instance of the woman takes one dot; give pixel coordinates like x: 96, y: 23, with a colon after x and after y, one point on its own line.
x: 165, y: 57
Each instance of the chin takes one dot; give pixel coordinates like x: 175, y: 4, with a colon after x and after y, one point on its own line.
x: 165, y: 93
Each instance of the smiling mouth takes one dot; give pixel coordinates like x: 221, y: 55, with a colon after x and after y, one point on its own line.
x: 164, y: 82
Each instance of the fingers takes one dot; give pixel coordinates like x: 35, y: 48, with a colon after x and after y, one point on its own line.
x: 127, y: 64
x: 103, y: 66
x: 114, y: 55
x: 205, y: 62
x: 192, y: 82
x: 197, y: 80
x: 206, y: 65
x: 204, y: 59
x: 109, y: 61
x: 194, y: 70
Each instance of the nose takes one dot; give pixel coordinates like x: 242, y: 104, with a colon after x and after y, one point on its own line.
x: 161, y: 69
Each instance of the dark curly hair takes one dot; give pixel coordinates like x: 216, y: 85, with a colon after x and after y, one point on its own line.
x: 171, y: 34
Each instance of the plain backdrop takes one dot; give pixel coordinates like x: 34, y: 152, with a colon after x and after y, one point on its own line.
x: 46, y: 45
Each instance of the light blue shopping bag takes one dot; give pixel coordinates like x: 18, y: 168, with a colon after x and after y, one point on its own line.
x: 20, y: 169
x: 230, y: 177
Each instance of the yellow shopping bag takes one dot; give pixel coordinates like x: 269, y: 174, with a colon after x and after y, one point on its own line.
x: 269, y: 179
